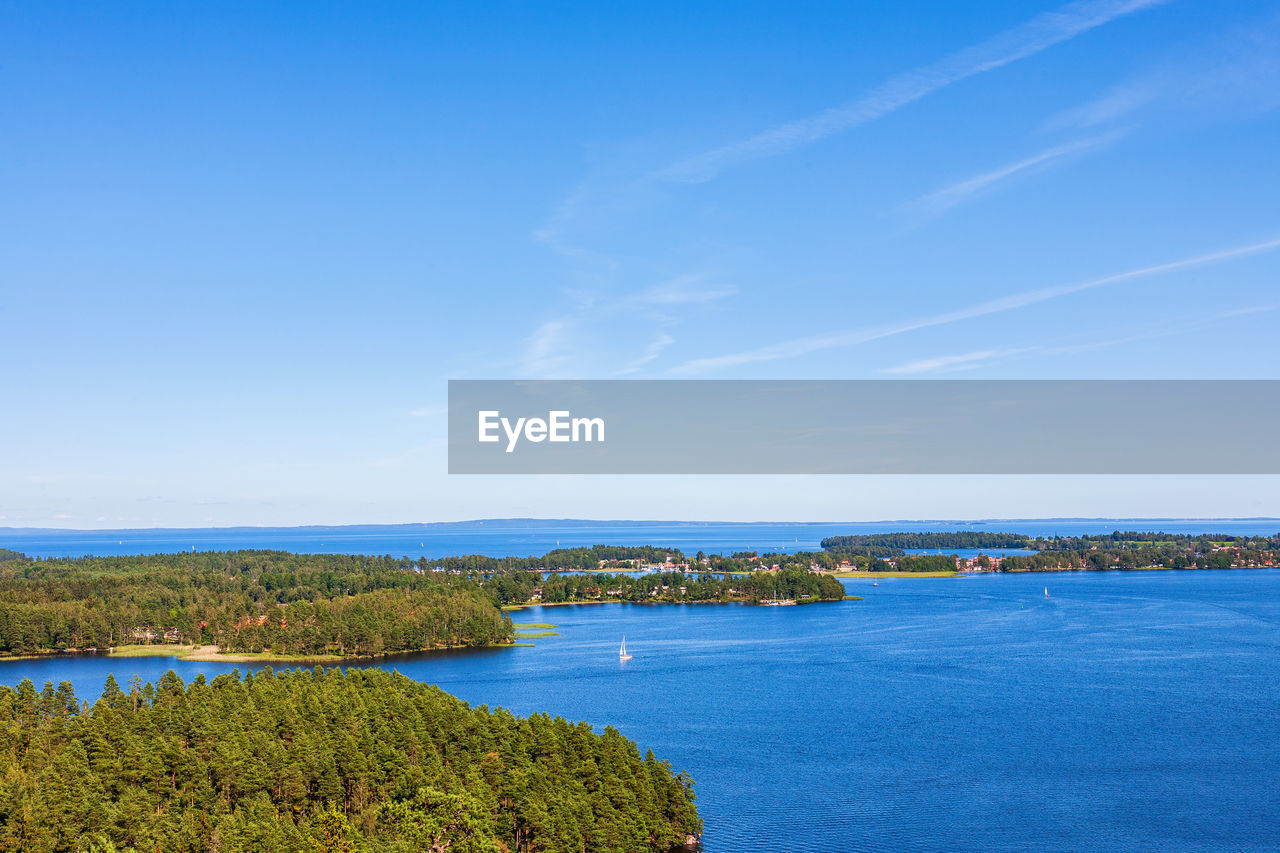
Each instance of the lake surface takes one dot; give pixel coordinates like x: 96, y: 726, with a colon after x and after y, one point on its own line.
x: 522, y: 538
x: 1127, y: 711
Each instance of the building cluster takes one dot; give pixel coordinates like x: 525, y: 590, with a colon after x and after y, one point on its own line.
x: 980, y: 563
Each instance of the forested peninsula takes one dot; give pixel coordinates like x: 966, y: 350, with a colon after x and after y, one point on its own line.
x: 280, y: 606
x: 361, y: 761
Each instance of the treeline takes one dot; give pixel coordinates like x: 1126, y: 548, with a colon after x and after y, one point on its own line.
x: 559, y: 559
x: 1115, y: 550
x: 371, y: 623
x: 243, y: 601
x: 6, y: 554
x: 893, y: 544
x: 1141, y: 540
x: 973, y: 539
x: 796, y: 584
x: 1156, y: 556
x: 325, y: 761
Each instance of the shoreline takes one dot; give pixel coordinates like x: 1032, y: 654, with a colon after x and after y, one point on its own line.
x: 202, y: 654
x: 511, y: 608
x: 859, y: 573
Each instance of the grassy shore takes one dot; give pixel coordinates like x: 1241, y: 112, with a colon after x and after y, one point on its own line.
x: 213, y: 654
x: 561, y: 603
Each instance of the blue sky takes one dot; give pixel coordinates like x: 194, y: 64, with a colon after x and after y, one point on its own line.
x: 246, y: 245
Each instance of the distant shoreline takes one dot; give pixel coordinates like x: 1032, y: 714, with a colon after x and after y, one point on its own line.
x: 562, y: 523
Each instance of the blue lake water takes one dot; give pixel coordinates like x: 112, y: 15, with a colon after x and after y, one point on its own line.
x: 506, y: 538
x: 1128, y: 711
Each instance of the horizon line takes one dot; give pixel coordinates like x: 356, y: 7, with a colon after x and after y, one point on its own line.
x: 643, y: 521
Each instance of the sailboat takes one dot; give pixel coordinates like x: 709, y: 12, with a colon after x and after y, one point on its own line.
x: 622, y: 653
x: 1046, y: 592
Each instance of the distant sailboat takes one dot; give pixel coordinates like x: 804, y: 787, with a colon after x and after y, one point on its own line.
x: 622, y: 653
x: 1046, y: 592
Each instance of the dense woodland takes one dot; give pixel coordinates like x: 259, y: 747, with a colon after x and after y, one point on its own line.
x: 561, y: 559
x: 892, y: 544
x: 320, y: 761
x: 243, y: 601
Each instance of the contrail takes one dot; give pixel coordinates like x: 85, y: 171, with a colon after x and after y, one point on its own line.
x: 804, y: 346
x: 1025, y: 39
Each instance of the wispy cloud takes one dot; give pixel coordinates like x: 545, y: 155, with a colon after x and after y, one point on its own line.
x: 1161, y: 331
x: 959, y: 361
x: 1252, y: 309
x: 590, y: 334
x: 971, y: 360
x: 686, y: 290
x: 803, y: 346
x: 1240, y: 67
x: 545, y: 350
x: 944, y: 199
x: 1114, y: 104
x: 651, y: 353
x: 1025, y: 39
